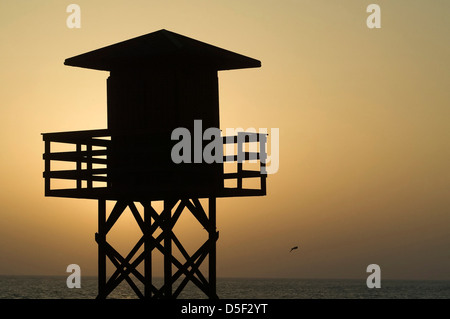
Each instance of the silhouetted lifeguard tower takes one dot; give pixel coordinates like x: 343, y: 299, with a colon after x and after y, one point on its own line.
x: 158, y: 82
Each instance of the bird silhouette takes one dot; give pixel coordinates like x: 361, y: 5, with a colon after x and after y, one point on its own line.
x: 293, y: 248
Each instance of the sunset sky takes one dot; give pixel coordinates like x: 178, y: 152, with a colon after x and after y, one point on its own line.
x: 363, y: 115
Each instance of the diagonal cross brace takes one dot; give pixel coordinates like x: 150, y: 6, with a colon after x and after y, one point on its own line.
x: 164, y: 221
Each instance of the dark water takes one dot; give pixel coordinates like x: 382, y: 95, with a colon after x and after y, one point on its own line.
x: 54, y: 287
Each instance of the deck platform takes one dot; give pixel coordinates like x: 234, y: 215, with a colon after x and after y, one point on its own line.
x: 91, y: 155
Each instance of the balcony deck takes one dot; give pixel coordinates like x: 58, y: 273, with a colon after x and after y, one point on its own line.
x: 91, y: 151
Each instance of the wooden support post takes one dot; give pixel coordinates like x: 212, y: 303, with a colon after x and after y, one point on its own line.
x: 263, y: 184
x: 47, y: 166
x: 101, y: 248
x: 263, y: 160
x: 147, y: 251
x: 89, y: 164
x: 240, y: 140
x: 239, y: 175
x: 212, y: 253
x: 79, y: 166
x: 167, y: 249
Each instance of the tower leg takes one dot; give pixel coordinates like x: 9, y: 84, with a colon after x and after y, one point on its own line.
x: 212, y: 253
x: 167, y: 229
x: 101, y: 249
x: 148, y: 253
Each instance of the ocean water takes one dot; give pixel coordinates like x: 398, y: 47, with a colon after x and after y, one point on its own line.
x: 54, y: 287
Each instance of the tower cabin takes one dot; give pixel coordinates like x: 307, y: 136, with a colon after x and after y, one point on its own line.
x: 158, y: 82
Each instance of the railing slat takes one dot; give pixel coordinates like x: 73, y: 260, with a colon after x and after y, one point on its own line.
x: 242, y: 174
x: 74, y: 157
x: 77, y: 136
x: 247, y: 156
x: 248, y: 137
x: 78, y: 175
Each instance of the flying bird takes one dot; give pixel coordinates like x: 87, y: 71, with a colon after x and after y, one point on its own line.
x: 293, y: 248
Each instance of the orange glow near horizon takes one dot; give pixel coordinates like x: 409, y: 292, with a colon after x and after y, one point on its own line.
x: 363, y: 117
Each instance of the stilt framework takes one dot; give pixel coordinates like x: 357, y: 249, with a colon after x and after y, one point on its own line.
x: 157, y: 235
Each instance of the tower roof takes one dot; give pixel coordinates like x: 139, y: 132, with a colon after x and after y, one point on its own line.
x: 161, y: 48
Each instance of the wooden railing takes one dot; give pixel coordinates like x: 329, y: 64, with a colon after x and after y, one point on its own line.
x: 93, y: 148
x: 83, y: 142
x: 242, y: 156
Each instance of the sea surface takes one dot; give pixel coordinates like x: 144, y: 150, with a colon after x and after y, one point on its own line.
x: 54, y: 287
